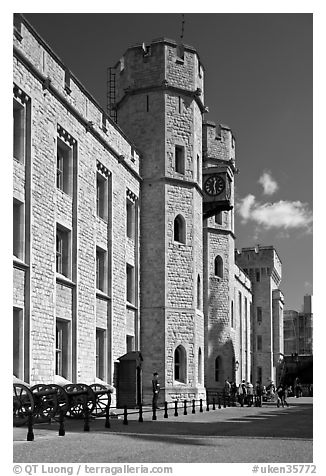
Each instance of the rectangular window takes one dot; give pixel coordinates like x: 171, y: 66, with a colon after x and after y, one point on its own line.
x: 63, y: 252
x: 259, y: 343
x: 180, y: 105
x: 179, y: 159
x: 130, y: 276
x: 18, y: 343
x: 102, y: 197
x: 130, y: 343
x: 101, y: 270
x: 257, y: 275
x: 219, y: 218
x: 64, y: 167
x: 18, y: 230
x: 232, y: 314
x: 131, y: 219
x: 100, y: 353
x: 62, y: 349
x: 259, y: 315
x: 198, y: 168
x: 260, y: 374
x: 240, y: 305
x: 19, y: 124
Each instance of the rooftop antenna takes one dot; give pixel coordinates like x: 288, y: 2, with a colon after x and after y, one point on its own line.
x: 180, y: 48
x: 182, y: 26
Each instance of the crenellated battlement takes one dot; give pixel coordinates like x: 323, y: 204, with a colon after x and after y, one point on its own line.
x: 260, y: 256
x: 218, y: 142
x: 161, y: 64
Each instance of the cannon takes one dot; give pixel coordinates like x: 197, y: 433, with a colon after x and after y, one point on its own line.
x: 39, y: 400
x: 75, y: 398
x: 62, y: 398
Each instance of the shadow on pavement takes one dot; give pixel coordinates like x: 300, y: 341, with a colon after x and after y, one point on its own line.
x: 267, y: 422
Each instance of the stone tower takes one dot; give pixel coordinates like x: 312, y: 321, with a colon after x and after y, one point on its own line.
x: 220, y: 338
x: 159, y: 105
x: 264, y: 268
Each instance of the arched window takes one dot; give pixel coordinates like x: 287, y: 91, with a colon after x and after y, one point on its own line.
x: 198, y: 293
x: 218, y: 267
x: 179, y: 229
x: 218, y: 368
x: 200, y: 366
x: 180, y: 364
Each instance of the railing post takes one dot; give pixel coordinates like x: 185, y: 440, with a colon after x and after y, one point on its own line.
x: 229, y: 401
x: 166, y: 410
x: 107, y: 415
x: 140, y: 419
x: 86, y: 417
x: 176, y: 408
x: 207, y: 405
x: 154, y: 413
x: 30, y: 433
x: 185, y: 407
x: 62, y: 431
x: 213, y: 403
x: 201, y: 405
x: 219, y: 402
x: 224, y: 402
x: 125, y: 415
x: 193, y: 406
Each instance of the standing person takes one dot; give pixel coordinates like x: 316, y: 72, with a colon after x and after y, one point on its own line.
x: 233, y: 393
x: 227, y: 388
x: 297, y: 387
x: 250, y: 393
x: 281, y: 396
x: 242, y: 392
x: 259, y: 391
x: 156, y: 390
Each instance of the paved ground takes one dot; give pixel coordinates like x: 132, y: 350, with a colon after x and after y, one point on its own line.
x: 242, y: 435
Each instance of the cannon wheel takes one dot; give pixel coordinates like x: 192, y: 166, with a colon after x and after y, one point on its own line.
x: 62, y: 398
x: 102, y: 399
x: 45, y: 402
x: 76, y: 402
x: 23, y: 404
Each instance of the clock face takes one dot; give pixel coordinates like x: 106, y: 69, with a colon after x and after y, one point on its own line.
x: 214, y: 185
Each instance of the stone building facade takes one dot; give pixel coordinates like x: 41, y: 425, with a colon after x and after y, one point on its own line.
x: 298, y: 329
x: 76, y: 224
x: 124, y: 229
x: 264, y: 268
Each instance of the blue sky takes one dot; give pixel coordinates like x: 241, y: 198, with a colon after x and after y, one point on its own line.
x: 258, y: 81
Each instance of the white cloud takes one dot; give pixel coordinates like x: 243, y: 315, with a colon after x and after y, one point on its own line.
x: 270, y: 186
x: 283, y: 214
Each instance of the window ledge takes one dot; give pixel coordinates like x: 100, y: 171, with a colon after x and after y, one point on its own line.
x: 19, y: 160
x: 177, y: 383
x: 179, y: 243
x: 101, y: 219
x: 129, y: 305
x: 101, y: 294
x: 64, y: 194
x: 18, y: 263
x: 64, y: 280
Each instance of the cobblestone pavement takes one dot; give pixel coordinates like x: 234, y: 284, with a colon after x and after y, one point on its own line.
x: 267, y: 434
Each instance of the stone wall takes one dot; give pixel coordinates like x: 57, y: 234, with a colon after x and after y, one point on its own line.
x: 41, y: 75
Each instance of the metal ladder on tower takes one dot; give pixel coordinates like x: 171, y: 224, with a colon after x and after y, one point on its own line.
x: 111, y: 109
